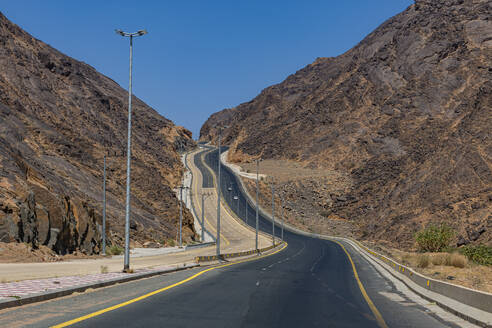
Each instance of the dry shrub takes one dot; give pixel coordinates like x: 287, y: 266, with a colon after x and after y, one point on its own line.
x: 439, y: 259
x: 423, y: 261
x: 456, y: 260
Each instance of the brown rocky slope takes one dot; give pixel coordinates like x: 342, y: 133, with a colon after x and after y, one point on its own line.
x: 406, y: 114
x: 58, y: 117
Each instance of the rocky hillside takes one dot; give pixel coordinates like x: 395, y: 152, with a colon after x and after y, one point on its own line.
x: 406, y: 114
x: 58, y: 117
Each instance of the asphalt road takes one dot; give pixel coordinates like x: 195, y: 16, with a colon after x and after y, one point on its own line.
x: 311, y: 283
x: 207, y: 181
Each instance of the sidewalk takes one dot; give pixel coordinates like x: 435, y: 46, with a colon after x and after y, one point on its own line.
x: 27, y: 287
x: 30, y: 291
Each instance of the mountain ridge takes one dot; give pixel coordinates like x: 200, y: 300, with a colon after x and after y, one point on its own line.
x: 59, y: 117
x: 406, y: 113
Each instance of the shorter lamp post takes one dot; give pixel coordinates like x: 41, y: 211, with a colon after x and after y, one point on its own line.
x: 272, y: 181
x: 181, y: 214
x: 257, y: 193
x: 104, y: 210
x: 282, y: 215
x: 246, y: 210
x: 204, y: 195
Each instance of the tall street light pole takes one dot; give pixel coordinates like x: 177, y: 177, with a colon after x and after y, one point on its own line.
x: 282, y: 214
x: 126, y: 266
x: 218, y: 203
x: 204, y: 195
x: 181, y: 214
x: 273, y: 213
x: 104, y: 210
x: 246, y: 209
x: 218, y: 195
x: 257, y: 192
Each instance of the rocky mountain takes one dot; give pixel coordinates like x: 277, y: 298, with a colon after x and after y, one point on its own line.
x: 58, y: 118
x: 406, y: 114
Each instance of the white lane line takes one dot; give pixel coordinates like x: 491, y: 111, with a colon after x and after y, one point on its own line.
x: 318, y: 260
x: 257, y: 283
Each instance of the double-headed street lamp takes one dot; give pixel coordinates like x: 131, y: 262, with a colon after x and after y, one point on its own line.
x: 204, y: 195
x: 246, y: 210
x: 104, y: 209
x: 181, y: 214
x: 220, y: 128
x: 257, y: 192
x: 282, y: 216
x: 126, y: 266
x: 273, y: 211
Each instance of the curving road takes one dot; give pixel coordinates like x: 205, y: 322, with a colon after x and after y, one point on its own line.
x: 311, y: 283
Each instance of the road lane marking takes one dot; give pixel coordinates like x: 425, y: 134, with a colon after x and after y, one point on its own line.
x: 374, y: 310
x: 318, y: 260
x: 134, y: 300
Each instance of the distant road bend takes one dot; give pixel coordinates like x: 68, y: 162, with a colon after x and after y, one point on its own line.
x: 311, y: 283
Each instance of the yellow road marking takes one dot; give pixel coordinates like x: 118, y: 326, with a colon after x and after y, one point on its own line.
x: 379, y: 317
x: 117, y: 306
x: 200, y: 208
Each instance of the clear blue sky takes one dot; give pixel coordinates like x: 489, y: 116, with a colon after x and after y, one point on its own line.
x: 201, y: 56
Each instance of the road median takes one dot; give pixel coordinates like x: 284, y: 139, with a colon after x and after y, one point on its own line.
x: 202, y: 259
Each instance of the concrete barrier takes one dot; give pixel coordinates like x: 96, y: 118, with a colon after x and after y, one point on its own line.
x: 200, y: 259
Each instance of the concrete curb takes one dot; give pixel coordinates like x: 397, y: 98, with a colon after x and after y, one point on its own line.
x: 39, y: 297
x: 200, y: 259
x: 422, y: 292
x: 200, y: 245
x: 481, y: 301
